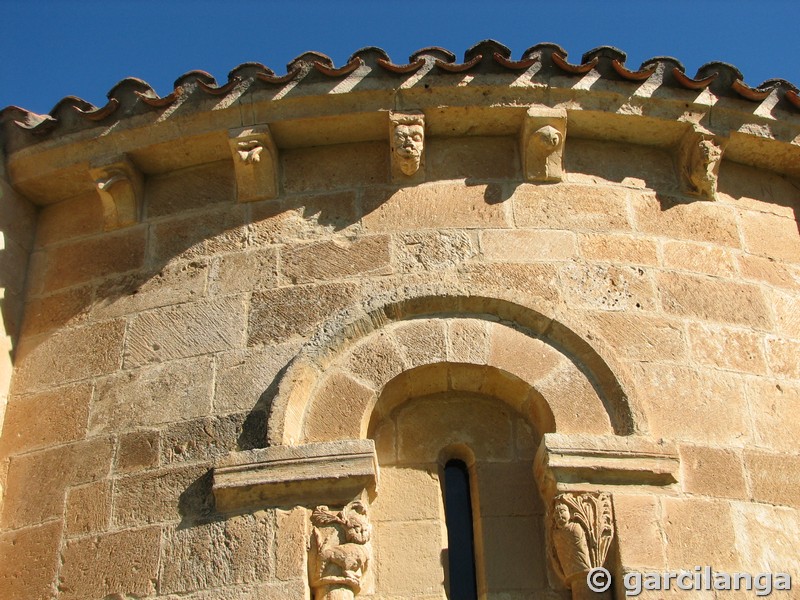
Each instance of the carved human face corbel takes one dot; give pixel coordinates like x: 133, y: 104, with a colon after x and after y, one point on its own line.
x: 407, y: 141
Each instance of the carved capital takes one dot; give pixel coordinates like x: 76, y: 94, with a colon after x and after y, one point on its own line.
x: 255, y: 162
x: 542, y: 144
x: 581, y: 532
x: 339, y: 551
x: 120, y: 186
x: 407, y: 141
x: 698, y: 159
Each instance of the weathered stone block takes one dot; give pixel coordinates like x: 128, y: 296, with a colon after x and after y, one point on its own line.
x: 144, y: 397
x: 594, y: 161
x: 727, y: 348
x: 436, y: 205
x: 467, y: 341
x: 701, y: 397
x: 88, y: 508
x: 341, y: 415
x: 136, y: 451
x: 507, y: 489
x: 786, y: 308
x: 422, y: 342
x: 425, y: 427
x: 637, y: 337
x: 336, y: 166
x: 376, y: 360
x: 222, y: 553
x: 409, y: 558
x: 608, y: 287
x: 571, y: 207
x: 279, y: 314
x: 45, y: 419
x: 161, y: 496
x: 189, y: 237
x: 775, y: 478
x: 530, y: 359
x: 518, y: 537
x: 70, y: 355
x: 766, y: 538
x: 124, y: 563
x: 28, y: 562
x: 202, y: 439
x: 75, y: 217
x: 291, y: 539
x: 713, y: 299
x: 186, y: 330
x: 713, y: 472
x: 408, y: 494
x: 302, y: 217
x: 618, y: 248
x: 699, y: 258
x: 175, y: 283
x: 784, y: 357
x: 336, y: 259
x: 528, y: 245
x: 769, y: 271
x: 189, y: 189
x: 639, y: 531
x: 699, y: 532
x: 538, y: 280
x: 45, y: 476
x: 472, y: 157
x: 244, y: 272
x: 84, y: 260
x: 59, y: 310
x: 431, y: 250
x: 243, y: 376
x: 770, y: 404
x: 699, y: 221
x: 771, y: 235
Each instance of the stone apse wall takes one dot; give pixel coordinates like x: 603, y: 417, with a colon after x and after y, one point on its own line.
x: 261, y: 317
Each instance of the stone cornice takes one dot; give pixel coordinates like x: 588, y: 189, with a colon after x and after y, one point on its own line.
x: 327, y: 472
x: 48, y: 158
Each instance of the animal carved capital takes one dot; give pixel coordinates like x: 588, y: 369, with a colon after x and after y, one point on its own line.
x: 340, y: 551
x: 120, y: 187
x: 255, y: 163
x: 582, y: 529
x: 542, y: 144
x: 699, y: 158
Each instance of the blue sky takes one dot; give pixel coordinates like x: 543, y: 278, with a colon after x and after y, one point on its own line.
x: 51, y: 49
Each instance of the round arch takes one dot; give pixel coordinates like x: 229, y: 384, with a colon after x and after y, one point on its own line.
x: 332, y: 386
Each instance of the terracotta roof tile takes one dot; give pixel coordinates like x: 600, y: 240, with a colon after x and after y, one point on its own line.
x: 134, y: 96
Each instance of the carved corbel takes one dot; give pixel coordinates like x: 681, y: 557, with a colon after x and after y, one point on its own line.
x: 339, y: 551
x: 542, y: 144
x: 407, y: 140
x: 698, y: 160
x: 120, y: 186
x: 581, y: 532
x: 255, y: 162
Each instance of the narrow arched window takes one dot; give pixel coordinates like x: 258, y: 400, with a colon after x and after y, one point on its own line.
x: 460, y: 537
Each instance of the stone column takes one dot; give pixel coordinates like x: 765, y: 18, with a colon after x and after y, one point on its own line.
x: 576, y: 476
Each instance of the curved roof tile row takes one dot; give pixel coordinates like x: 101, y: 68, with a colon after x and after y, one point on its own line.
x: 133, y: 96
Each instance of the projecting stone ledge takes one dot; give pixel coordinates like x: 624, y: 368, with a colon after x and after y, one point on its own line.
x: 321, y: 473
x: 588, y: 463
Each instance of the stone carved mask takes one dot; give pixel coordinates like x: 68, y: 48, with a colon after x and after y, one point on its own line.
x: 408, y: 139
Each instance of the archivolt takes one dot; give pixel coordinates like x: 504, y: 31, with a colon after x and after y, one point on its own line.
x: 431, y: 342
